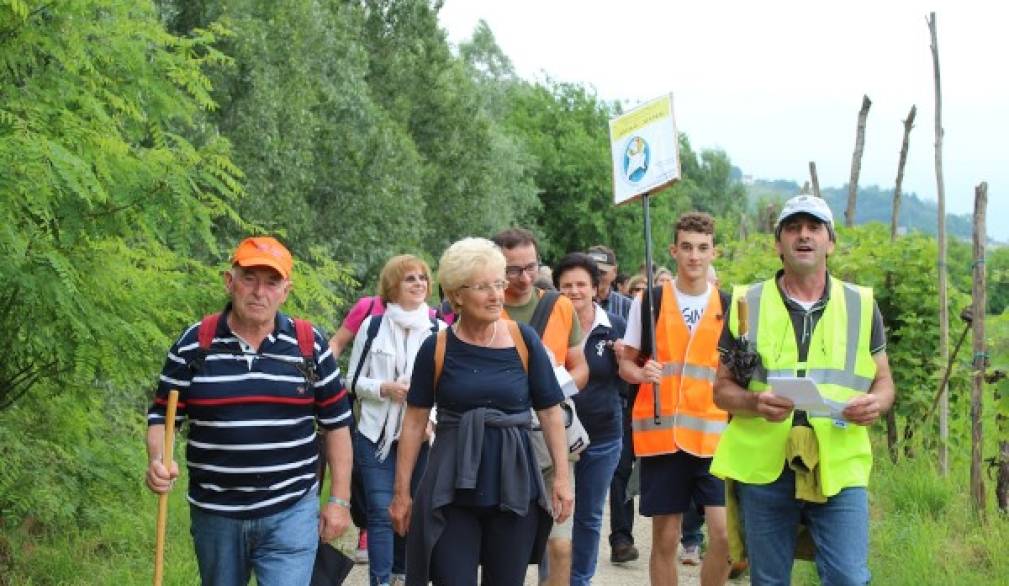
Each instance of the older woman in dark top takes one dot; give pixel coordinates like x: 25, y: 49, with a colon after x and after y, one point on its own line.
x: 481, y: 501
x: 599, y: 408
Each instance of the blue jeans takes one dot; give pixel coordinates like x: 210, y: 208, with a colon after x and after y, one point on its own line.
x: 386, y: 550
x: 622, y: 506
x: 593, y: 473
x: 279, y: 548
x: 839, y: 527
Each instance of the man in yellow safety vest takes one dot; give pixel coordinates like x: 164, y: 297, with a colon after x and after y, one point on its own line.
x: 789, y: 465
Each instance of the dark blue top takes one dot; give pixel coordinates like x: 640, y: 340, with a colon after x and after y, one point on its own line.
x: 599, y: 403
x: 474, y: 376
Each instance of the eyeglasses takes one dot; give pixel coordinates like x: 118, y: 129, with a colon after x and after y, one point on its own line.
x: 415, y: 278
x: 530, y: 269
x: 637, y: 289
x: 487, y: 287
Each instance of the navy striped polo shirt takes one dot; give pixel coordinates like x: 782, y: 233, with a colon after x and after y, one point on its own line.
x: 251, y: 449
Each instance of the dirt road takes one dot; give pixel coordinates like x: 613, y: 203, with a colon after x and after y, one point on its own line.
x: 630, y: 574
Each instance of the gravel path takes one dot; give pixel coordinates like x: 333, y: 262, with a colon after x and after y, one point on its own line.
x: 607, y: 574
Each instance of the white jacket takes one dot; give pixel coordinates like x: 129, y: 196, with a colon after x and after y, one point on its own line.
x: 378, y: 367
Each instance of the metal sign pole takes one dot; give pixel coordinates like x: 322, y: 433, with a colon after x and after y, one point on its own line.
x: 649, y: 302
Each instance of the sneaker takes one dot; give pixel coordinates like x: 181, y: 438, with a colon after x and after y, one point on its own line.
x: 738, y: 568
x: 397, y: 580
x: 361, y: 555
x: 623, y: 552
x: 690, y: 555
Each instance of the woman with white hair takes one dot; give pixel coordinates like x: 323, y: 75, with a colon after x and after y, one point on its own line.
x: 481, y: 503
x: 380, y: 367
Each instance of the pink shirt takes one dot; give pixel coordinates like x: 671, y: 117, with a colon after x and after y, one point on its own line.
x: 366, y: 306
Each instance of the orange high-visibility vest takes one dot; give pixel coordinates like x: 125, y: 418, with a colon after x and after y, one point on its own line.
x: 558, y: 330
x: 688, y: 418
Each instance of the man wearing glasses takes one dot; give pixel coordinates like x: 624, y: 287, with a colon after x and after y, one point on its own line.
x: 561, y: 335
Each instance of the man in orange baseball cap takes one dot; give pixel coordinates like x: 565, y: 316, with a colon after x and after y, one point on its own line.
x: 254, y: 384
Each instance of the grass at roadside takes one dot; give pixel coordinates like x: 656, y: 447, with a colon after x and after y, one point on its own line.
x: 923, y: 530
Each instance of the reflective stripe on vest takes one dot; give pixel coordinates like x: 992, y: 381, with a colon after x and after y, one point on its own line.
x: 688, y: 419
x: 752, y: 449
x: 692, y: 370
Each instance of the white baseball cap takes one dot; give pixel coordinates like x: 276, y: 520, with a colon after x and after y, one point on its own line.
x: 806, y: 204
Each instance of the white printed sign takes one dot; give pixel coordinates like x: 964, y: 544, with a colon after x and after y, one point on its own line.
x: 646, y: 154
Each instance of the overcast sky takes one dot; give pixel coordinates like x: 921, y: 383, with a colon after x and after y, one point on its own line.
x: 778, y: 84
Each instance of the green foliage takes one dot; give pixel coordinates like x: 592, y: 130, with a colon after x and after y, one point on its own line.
x: 105, y: 201
x: 474, y: 175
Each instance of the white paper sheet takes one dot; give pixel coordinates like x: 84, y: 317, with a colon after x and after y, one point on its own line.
x: 804, y: 393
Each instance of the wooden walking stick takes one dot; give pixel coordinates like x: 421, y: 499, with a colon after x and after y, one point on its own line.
x: 743, y: 311
x: 166, y: 459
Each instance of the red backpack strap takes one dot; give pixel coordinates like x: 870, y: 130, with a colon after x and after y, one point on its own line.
x: 207, y: 330
x: 205, y: 333
x: 306, y: 338
x: 306, y: 344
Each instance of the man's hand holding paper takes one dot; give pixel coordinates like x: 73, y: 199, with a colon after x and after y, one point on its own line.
x: 805, y: 395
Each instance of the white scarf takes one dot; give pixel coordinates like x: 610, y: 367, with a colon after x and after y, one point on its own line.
x: 408, y: 329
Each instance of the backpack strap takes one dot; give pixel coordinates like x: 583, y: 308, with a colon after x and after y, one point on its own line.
x: 520, y: 343
x: 207, y: 330
x: 205, y: 333
x: 441, y: 341
x: 373, y: 325
x: 541, y: 315
x: 306, y: 344
x: 648, y: 322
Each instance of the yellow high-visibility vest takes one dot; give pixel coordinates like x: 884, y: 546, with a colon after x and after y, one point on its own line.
x: 752, y: 449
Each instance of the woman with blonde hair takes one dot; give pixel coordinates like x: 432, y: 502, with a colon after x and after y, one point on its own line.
x: 380, y: 367
x: 482, y: 502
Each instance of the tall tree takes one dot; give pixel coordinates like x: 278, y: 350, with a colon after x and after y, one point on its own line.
x: 474, y: 177
x: 326, y: 166
x: 108, y: 209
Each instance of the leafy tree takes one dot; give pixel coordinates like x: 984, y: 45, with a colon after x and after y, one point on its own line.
x: 106, y: 203
x: 474, y: 177
x: 326, y: 166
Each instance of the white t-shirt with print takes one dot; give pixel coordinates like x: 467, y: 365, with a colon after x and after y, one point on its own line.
x: 691, y: 306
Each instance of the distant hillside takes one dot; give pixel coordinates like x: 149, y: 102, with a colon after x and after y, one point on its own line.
x: 874, y: 205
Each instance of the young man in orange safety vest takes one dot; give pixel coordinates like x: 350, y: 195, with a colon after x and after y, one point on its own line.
x: 675, y: 436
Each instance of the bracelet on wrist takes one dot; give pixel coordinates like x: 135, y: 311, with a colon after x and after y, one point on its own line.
x: 335, y: 500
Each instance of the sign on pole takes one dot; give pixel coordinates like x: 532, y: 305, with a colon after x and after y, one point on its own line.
x: 645, y: 151
x: 646, y: 158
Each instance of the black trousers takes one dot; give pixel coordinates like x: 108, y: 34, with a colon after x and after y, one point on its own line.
x: 499, y: 541
x: 621, y: 507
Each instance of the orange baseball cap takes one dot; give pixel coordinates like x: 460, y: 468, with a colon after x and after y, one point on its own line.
x: 263, y: 251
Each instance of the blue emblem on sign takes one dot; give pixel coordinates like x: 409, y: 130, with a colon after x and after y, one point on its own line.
x: 637, y: 156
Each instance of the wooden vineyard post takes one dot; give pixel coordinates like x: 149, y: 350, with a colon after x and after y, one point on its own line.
x: 856, y: 162
x: 980, y: 355
x: 941, y: 237
x: 908, y: 124
x: 813, y: 177
x: 891, y: 414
